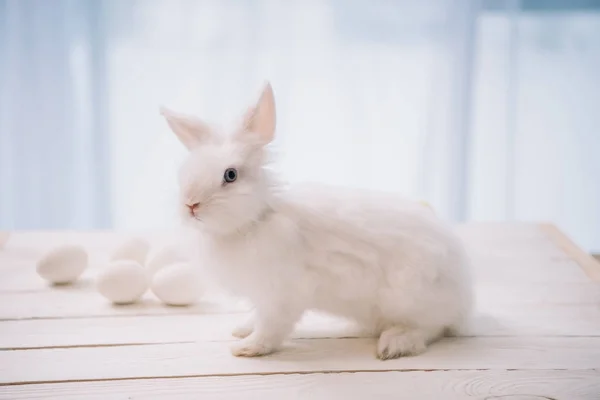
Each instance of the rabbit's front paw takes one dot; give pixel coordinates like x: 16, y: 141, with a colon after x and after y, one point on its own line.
x: 251, y: 347
x: 400, y: 342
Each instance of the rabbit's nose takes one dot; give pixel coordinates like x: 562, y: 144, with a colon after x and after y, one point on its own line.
x: 193, y: 207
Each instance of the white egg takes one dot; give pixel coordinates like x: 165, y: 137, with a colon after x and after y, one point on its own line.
x: 135, y: 249
x: 163, y: 257
x: 122, y: 281
x: 177, y: 285
x: 63, y: 264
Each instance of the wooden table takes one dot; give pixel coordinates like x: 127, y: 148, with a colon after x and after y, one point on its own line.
x: 536, y: 333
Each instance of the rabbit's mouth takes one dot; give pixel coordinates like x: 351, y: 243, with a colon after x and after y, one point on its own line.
x: 190, y: 215
x: 193, y: 208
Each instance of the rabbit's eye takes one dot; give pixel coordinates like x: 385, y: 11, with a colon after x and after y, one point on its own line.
x: 230, y: 175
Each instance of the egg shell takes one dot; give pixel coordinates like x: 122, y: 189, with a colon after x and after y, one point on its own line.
x: 135, y: 249
x: 122, y: 281
x: 63, y: 264
x: 177, y: 285
x: 163, y: 257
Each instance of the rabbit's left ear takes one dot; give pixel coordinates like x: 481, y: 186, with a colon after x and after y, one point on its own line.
x: 190, y: 130
x: 260, y: 119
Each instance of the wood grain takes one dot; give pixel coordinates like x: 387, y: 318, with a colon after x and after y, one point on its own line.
x: 314, y: 355
x: 446, y: 385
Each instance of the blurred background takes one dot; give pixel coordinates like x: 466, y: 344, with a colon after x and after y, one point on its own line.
x: 487, y: 109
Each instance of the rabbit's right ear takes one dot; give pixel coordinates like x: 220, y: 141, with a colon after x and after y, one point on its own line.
x: 190, y: 130
x: 260, y: 119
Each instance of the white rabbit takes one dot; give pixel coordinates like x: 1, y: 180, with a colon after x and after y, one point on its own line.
x: 388, y: 263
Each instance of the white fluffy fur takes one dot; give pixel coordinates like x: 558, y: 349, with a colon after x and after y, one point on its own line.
x: 388, y: 263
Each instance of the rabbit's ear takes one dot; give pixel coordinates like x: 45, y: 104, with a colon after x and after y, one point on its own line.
x: 260, y: 119
x: 190, y: 130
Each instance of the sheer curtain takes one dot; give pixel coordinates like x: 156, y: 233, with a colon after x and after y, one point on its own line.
x: 536, y: 127
x: 485, y: 109
x: 53, y: 159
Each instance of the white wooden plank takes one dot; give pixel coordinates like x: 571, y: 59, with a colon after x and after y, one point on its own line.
x: 410, y: 385
x: 535, y: 320
x: 313, y: 355
x: 83, y: 301
x: 152, y: 329
x: 508, y: 321
x: 507, y: 271
x: 102, y: 241
x: 526, y: 240
x: 519, y: 294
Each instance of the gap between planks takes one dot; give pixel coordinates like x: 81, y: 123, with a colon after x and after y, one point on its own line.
x: 289, y: 373
x: 315, y: 355
x: 447, y: 385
